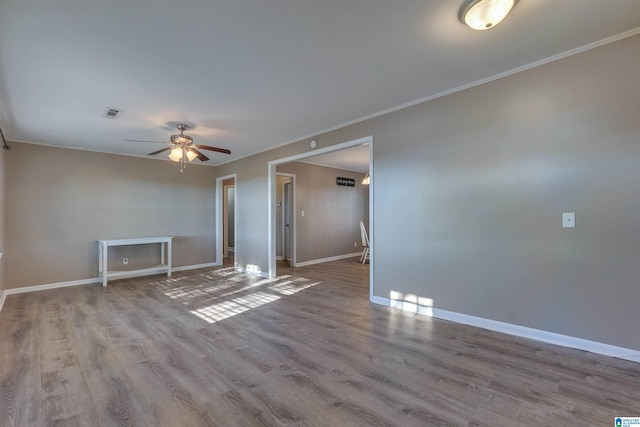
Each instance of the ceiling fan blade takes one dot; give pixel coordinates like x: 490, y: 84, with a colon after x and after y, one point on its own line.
x: 144, y: 140
x: 201, y: 156
x: 219, y: 150
x: 159, y: 151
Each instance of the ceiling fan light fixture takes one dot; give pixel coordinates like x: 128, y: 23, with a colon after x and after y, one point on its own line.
x: 176, y: 154
x: 191, y: 155
x: 181, y: 139
x: 182, y: 149
x: 485, y: 14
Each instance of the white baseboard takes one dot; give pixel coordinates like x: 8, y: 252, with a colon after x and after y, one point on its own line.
x: 381, y: 301
x: 279, y: 258
x: 516, y: 330
x: 3, y: 296
x: 196, y: 266
x: 48, y: 286
x: 332, y: 258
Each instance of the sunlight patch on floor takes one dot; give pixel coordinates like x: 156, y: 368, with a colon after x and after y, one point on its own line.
x: 226, y: 309
x: 223, y: 272
x: 411, y: 302
x: 224, y: 293
x: 185, y: 293
x: 290, y: 287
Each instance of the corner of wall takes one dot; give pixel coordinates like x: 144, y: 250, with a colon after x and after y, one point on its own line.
x: 2, y: 225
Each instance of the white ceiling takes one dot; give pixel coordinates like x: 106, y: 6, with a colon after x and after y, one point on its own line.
x: 354, y: 159
x: 251, y: 75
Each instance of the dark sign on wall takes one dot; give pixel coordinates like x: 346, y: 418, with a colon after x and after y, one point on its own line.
x: 347, y: 182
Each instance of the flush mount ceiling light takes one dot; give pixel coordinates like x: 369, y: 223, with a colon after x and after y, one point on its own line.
x: 485, y: 14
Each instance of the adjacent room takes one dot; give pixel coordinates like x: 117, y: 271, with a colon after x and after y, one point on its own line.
x: 320, y: 201
x: 319, y: 213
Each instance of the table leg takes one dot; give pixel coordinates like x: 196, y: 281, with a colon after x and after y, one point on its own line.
x: 169, y: 258
x: 100, y: 260
x: 104, y: 261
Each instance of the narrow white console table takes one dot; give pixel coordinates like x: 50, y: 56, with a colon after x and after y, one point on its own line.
x: 103, y: 257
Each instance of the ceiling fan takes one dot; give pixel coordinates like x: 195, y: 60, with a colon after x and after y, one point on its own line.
x: 183, y: 148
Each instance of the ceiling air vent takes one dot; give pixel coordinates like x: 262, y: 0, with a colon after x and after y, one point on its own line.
x: 112, y: 113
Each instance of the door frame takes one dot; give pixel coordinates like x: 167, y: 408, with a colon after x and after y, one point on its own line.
x: 292, y: 178
x: 220, y: 215
x: 272, y: 229
x: 225, y: 218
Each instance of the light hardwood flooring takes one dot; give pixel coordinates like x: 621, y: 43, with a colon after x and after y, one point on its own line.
x: 215, y: 347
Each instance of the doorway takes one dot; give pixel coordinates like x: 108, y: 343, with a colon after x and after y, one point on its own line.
x: 273, y: 201
x: 226, y: 239
x: 287, y: 217
x: 285, y: 221
x: 228, y: 221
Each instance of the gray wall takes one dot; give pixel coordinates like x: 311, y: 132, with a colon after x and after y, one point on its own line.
x: 469, y: 190
x: 489, y: 172
x: 59, y: 201
x: 332, y: 213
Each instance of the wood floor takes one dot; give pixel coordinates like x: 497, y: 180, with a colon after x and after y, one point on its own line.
x: 215, y: 347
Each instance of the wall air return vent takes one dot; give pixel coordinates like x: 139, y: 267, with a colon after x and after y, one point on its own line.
x: 112, y: 113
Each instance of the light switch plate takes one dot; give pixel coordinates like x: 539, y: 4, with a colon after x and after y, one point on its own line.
x: 569, y: 220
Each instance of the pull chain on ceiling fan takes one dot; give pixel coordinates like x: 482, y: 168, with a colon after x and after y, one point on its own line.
x: 183, y: 149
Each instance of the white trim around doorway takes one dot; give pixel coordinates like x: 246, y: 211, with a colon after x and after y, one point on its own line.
x: 272, y: 229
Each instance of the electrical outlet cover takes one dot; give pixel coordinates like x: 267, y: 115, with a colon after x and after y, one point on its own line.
x: 569, y: 220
